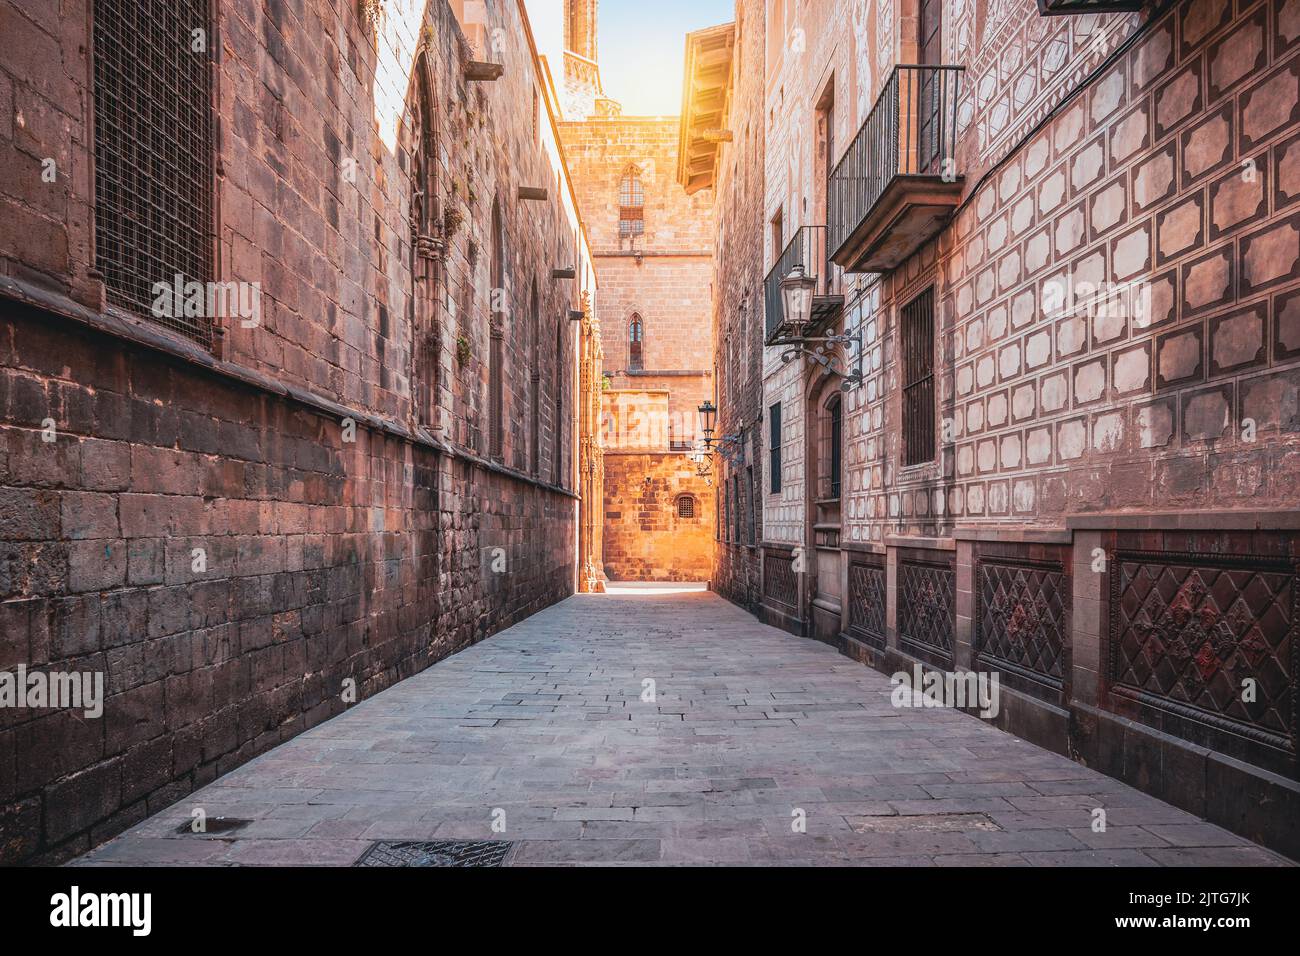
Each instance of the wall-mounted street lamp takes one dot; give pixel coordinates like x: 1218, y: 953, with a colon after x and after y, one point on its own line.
x: 797, y: 290
x: 703, y: 463
x: 797, y: 297
x: 708, y: 418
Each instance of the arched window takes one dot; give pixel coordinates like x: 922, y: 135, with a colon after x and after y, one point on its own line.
x: 631, y: 204
x: 685, y: 506
x: 560, y: 428
x: 635, y: 343
x: 831, y: 446
x: 496, y: 333
x: 535, y: 384
x: 424, y: 227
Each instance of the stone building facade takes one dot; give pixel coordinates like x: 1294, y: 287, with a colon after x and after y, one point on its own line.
x: 1059, y: 440
x: 652, y: 246
x: 724, y: 80
x: 246, y: 519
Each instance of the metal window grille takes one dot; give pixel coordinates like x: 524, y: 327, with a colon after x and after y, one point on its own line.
x: 753, y: 503
x: 686, y: 507
x: 631, y: 206
x: 918, y: 379
x: 774, y: 444
x: 153, y: 153
x: 739, y: 496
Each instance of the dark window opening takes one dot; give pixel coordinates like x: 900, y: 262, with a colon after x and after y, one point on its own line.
x: 686, y: 507
x: 774, y: 447
x: 834, y: 433
x: 917, y: 329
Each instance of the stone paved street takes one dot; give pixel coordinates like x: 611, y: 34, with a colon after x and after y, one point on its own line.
x: 546, y: 722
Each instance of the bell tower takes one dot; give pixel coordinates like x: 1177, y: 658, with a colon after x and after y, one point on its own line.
x: 582, y: 95
x: 580, y: 28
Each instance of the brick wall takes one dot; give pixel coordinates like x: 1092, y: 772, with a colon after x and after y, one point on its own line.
x: 127, y: 453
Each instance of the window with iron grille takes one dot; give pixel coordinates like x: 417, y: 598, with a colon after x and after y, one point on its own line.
x: 685, y: 507
x: 153, y: 154
x: 739, y: 495
x: 774, y: 447
x: 631, y: 204
x: 917, y: 330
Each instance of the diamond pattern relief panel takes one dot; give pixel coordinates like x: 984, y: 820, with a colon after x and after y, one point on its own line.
x: 779, y: 584
x: 1021, y: 618
x: 1187, y: 630
x: 867, y: 602
x: 925, y: 605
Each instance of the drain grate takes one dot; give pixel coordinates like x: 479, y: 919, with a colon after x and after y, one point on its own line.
x: 214, y: 825
x: 435, y: 853
x: 929, y: 822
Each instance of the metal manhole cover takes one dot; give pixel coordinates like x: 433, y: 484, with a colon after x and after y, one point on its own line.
x: 435, y: 853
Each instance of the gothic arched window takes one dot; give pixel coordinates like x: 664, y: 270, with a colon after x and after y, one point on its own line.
x: 424, y: 232
x: 496, y: 333
x: 635, y: 343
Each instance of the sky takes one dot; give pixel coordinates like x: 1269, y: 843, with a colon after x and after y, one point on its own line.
x: 641, y: 47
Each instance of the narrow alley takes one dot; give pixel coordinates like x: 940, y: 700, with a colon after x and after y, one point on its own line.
x: 548, y: 731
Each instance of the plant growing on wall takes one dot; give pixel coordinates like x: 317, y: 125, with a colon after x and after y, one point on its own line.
x: 462, y: 349
x: 371, y: 11
x: 451, y: 222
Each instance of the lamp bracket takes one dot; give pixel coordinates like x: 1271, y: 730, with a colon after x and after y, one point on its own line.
x: 829, y: 351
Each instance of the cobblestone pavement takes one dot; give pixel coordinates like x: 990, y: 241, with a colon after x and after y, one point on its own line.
x: 749, y: 726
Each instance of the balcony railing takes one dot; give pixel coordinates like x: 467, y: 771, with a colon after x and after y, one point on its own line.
x: 898, y: 181
x: 809, y: 248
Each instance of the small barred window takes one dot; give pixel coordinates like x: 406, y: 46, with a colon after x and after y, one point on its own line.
x: 686, y: 507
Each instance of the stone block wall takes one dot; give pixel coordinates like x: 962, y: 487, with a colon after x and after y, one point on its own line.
x: 233, y: 537
x: 645, y: 537
x: 738, y: 307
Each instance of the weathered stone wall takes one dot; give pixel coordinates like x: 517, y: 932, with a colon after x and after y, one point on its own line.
x: 645, y: 538
x: 738, y: 310
x: 321, y: 558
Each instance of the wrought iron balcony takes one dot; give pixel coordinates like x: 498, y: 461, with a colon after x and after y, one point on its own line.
x: 1057, y: 8
x: 897, y: 184
x: 809, y: 248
